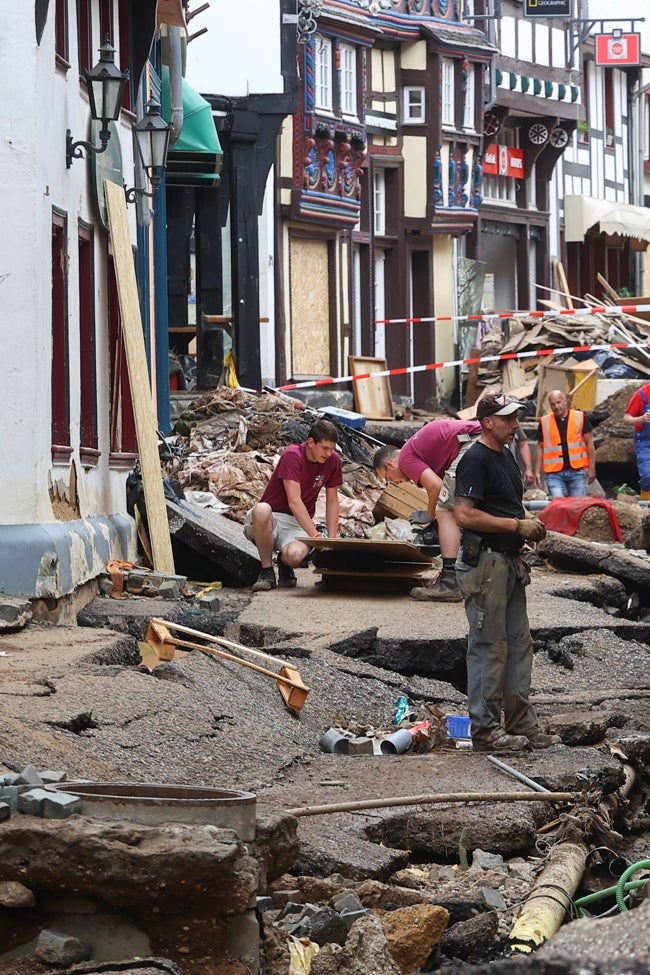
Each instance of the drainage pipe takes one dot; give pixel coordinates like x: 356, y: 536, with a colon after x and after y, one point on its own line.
x: 551, y: 897
x: 552, y: 894
x: 429, y: 800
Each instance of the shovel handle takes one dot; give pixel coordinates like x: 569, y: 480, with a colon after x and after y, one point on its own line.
x: 222, y: 642
x: 238, y: 660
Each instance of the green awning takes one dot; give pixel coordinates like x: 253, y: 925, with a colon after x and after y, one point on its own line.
x: 196, y: 158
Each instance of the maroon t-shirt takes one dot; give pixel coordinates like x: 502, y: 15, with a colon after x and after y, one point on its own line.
x: 435, y: 446
x: 294, y: 465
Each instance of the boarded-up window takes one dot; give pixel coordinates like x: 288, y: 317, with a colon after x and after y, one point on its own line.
x: 310, y: 307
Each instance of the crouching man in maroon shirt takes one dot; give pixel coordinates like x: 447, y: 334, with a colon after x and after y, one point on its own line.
x: 285, y: 511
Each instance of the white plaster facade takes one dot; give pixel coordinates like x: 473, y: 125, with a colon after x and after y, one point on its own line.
x: 59, y: 522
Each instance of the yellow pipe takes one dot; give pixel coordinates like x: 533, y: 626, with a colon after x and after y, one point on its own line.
x: 550, y: 897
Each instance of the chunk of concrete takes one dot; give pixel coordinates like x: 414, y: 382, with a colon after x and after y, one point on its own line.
x: 61, y: 949
x: 15, y: 613
x: 16, y: 895
x: 60, y: 805
x: 5, y: 811
x: 31, y: 801
x: 29, y: 776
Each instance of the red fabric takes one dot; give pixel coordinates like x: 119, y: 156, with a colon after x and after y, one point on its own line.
x: 563, y: 515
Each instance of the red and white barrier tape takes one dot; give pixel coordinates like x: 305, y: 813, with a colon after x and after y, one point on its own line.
x: 430, y: 366
x: 488, y: 316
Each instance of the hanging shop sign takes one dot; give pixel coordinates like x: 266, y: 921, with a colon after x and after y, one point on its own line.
x: 618, y: 48
x: 503, y: 161
x: 547, y: 8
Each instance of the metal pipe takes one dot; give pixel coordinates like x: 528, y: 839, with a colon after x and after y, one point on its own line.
x: 175, y: 83
x: 517, y: 775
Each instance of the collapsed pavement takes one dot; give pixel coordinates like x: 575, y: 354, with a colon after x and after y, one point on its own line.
x: 75, y: 699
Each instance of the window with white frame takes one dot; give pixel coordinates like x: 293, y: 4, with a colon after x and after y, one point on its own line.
x: 379, y: 202
x: 348, y: 79
x: 414, y: 105
x: 447, y: 99
x: 470, y: 96
x: 323, y: 71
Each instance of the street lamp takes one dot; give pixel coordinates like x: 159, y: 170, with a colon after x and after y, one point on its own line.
x: 152, y: 136
x: 105, y: 90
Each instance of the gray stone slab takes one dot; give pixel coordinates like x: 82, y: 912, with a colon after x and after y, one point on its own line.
x: 216, y: 540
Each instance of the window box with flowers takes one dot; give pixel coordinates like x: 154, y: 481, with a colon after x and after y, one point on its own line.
x: 583, y: 131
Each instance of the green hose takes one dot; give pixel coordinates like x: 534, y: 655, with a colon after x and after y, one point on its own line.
x: 600, y: 895
x: 620, y: 886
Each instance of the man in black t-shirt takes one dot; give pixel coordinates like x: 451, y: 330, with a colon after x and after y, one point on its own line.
x: 492, y: 576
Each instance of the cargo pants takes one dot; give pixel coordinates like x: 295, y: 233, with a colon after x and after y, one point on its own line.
x: 499, y: 644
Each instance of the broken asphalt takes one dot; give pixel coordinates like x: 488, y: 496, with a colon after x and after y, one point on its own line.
x: 74, y: 699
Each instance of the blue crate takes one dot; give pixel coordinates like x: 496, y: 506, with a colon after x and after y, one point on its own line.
x: 458, y: 726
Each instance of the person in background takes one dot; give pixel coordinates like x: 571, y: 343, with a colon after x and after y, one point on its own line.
x: 637, y: 415
x: 492, y: 578
x: 566, y: 450
x: 285, y: 511
x: 429, y: 458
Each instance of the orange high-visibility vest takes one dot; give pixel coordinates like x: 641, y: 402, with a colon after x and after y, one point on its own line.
x: 552, y: 443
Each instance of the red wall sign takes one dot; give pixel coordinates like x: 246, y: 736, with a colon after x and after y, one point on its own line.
x: 503, y: 161
x: 618, y: 48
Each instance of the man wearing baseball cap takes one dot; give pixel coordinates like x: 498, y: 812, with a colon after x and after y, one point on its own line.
x: 492, y: 576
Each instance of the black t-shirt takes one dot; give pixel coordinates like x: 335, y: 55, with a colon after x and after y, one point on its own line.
x: 562, y: 425
x: 492, y: 479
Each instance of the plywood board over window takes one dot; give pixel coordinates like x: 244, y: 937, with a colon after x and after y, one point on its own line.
x: 372, y: 396
x: 136, y: 357
x: 310, y: 308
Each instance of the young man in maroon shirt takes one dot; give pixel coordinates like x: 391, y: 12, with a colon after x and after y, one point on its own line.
x: 285, y: 511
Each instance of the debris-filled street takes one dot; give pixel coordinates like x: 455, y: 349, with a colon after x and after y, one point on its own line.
x: 284, y: 781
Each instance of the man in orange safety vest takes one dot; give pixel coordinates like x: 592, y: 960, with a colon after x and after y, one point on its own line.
x: 565, y: 450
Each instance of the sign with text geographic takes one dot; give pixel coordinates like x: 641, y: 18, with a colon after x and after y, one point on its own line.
x: 547, y: 8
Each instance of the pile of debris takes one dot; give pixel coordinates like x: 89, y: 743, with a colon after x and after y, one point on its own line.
x: 531, y: 338
x: 228, y: 441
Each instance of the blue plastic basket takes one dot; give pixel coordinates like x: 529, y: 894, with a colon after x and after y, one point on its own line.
x: 458, y: 726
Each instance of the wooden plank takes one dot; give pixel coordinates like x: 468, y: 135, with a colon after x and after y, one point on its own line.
x: 607, y: 288
x: 513, y: 374
x: 372, y: 396
x: 399, y: 500
x: 563, y: 286
x: 390, y: 551
x: 401, y: 570
x: 136, y: 358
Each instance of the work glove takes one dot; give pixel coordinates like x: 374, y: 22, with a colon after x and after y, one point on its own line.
x: 531, y: 529
x: 419, y: 518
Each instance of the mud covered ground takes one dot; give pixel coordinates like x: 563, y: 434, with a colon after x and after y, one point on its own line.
x: 74, y: 699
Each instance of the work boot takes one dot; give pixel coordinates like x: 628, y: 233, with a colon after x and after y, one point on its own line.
x: 500, y: 743
x: 286, y: 575
x: 265, y: 580
x: 540, y: 740
x: 443, y: 590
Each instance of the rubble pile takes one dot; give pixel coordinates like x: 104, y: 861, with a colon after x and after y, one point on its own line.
x: 228, y: 441
x: 532, y: 335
